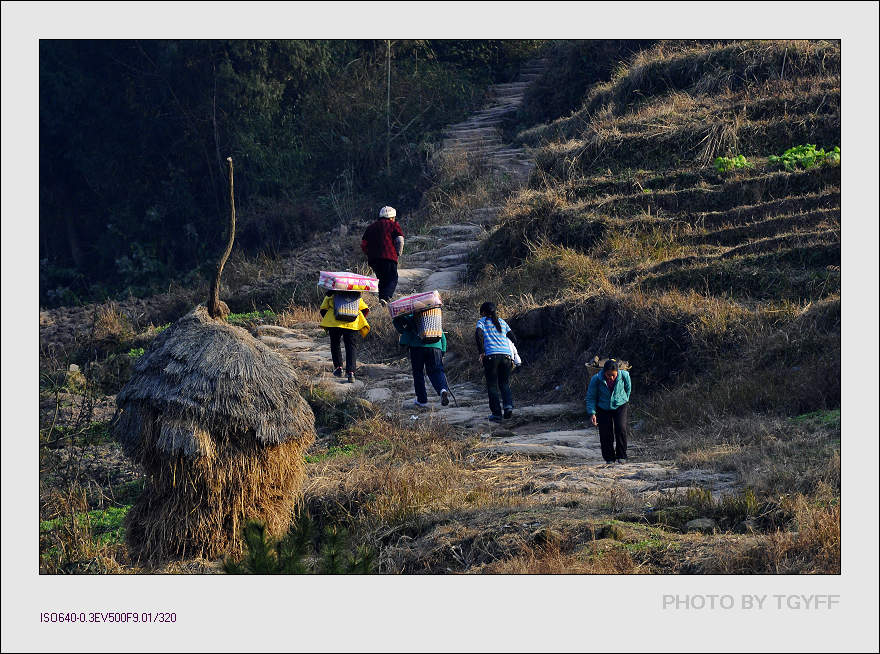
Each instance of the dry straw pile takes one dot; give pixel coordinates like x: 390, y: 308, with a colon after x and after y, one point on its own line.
x: 217, y: 421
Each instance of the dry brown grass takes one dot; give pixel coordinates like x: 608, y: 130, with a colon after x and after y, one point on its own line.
x: 769, y: 454
x: 110, y: 324
x: 708, y: 68
x: 401, y: 472
x: 812, y: 546
x: 551, y: 559
x: 461, y: 183
x: 298, y: 315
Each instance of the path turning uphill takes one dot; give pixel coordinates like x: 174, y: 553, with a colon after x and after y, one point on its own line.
x: 554, y: 436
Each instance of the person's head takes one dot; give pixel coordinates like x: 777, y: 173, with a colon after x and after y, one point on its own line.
x: 609, y: 370
x: 490, y: 311
x: 388, y: 212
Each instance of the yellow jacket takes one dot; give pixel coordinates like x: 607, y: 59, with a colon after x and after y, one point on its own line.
x: 360, y: 323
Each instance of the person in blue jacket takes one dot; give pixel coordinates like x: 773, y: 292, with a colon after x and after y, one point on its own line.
x: 608, y: 407
x: 425, y: 358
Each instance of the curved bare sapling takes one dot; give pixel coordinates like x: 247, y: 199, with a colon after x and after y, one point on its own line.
x: 217, y: 309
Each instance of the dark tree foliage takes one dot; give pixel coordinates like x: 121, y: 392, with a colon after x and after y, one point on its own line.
x: 134, y: 136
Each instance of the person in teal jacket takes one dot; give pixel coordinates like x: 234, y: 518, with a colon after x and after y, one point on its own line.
x: 425, y: 358
x: 608, y: 407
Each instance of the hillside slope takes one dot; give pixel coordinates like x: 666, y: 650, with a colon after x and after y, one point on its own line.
x: 722, y: 290
x: 703, y: 279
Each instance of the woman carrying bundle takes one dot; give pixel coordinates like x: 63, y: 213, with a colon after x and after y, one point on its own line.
x: 343, y: 315
x: 608, y: 407
x: 494, y: 337
x: 425, y: 357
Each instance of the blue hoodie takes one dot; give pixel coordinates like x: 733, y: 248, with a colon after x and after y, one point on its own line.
x: 598, y: 392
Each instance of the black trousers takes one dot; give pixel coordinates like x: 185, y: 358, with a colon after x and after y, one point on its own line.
x: 613, y: 430
x: 427, y: 360
x: 498, y: 368
x: 386, y: 271
x: 338, y: 334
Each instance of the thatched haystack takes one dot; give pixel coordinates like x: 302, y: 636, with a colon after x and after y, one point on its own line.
x: 217, y: 421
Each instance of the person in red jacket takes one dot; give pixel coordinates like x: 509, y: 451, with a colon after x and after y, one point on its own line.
x: 383, y: 245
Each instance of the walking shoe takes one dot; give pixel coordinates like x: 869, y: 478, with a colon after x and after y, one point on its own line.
x: 350, y: 377
x: 508, y: 413
x: 621, y: 460
x: 494, y: 418
x: 444, y: 397
x: 338, y: 372
x: 417, y: 403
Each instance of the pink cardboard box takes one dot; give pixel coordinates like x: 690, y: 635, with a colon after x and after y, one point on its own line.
x: 412, y: 303
x: 347, y: 281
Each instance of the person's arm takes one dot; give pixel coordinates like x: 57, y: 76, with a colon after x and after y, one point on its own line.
x: 591, y: 400
x: 363, y: 307
x: 364, y: 241
x: 478, y: 338
x: 627, y: 384
x: 397, y: 237
x: 512, y: 338
x: 399, y: 323
x: 325, y: 305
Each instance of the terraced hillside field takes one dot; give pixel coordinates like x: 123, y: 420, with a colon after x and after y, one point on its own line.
x: 701, y: 278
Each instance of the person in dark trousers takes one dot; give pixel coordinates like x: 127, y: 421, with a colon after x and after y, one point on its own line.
x: 425, y: 358
x: 383, y: 245
x: 342, y: 331
x: 493, y: 337
x: 608, y: 407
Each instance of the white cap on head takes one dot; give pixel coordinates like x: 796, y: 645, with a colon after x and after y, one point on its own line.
x: 387, y: 212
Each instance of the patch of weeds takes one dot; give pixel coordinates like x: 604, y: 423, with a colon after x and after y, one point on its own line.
x: 806, y: 156
x: 644, y: 544
x: 725, y: 164
x: 334, y: 451
x: 136, y: 352
x: 104, y: 525
x: 675, y: 516
x: 731, y: 511
x: 829, y: 418
x: 91, y: 433
x: 251, y: 317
